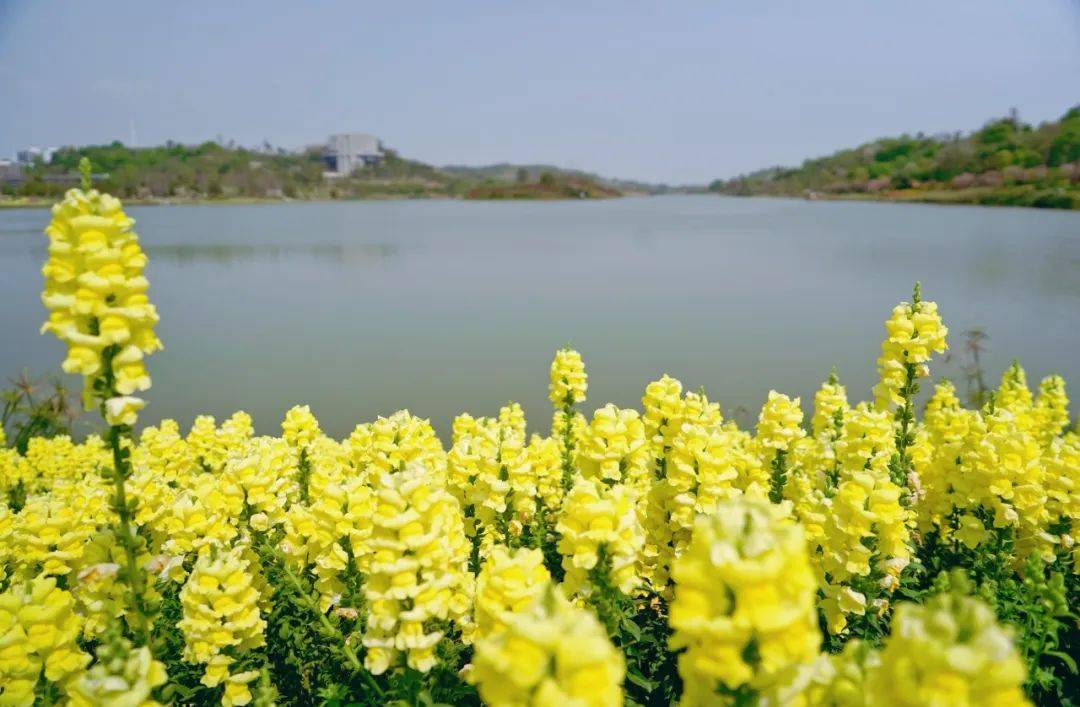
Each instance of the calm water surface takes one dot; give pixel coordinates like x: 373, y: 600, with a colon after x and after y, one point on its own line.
x: 363, y: 308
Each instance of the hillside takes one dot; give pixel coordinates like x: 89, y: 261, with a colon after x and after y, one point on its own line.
x: 547, y: 186
x: 1006, y: 162
x: 211, y: 171
x: 507, y: 172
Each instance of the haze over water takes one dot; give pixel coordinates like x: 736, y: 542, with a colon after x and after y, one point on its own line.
x: 362, y: 308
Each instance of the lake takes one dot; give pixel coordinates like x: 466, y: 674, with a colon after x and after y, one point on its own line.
x: 362, y: 308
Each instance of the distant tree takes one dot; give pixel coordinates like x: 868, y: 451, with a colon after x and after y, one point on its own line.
x: 522, y: 175
x: 547, y: 179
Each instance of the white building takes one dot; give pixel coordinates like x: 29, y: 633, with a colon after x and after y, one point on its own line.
x: 32, y: 153
x: 347, y: 152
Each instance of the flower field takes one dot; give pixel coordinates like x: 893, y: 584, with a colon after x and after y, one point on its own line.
x: 906, y: 550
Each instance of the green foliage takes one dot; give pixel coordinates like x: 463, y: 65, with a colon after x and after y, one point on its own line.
x: 35, y: 408
x: 1042, y: 160
x: 1034, y: 599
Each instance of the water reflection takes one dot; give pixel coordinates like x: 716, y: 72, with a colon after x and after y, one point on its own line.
x: 360, y: 309
x: 225, y: 253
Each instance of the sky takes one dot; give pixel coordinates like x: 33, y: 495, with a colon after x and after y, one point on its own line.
x: 680, y: 92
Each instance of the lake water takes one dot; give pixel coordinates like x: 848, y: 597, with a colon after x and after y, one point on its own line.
x: 362, y: 308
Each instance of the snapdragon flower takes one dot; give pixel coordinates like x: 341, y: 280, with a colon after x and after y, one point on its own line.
x: 744, y: 601
x: 95, y: 292
x: 948, y: 651
x: 549, y: 654
x: 914, y: 333
x: 569, y: 382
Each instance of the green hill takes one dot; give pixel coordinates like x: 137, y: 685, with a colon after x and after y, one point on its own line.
x: 507, y: 172
x: 1006, y: 162
x: 214, y: 171
x: 211, y: 171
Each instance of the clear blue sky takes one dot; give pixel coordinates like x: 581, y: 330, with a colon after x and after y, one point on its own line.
x: 680, y: 92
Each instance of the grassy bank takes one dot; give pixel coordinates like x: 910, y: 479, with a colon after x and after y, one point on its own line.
x: 1005, y: 163
x: 1022, y: 195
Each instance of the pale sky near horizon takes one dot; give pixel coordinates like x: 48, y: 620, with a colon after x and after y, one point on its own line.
x: 678, y: 92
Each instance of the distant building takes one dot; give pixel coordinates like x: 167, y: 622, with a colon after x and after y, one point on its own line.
x: 11, y: 175
x: 30, y: 154
x: 348, y: 152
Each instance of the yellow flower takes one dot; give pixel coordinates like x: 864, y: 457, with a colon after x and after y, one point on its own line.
x: 568, y: 379
x: 779, y: 424
x: 510, y: 582
x: 1051, y: 409
x: 550, y: 654
x: 662, y: 408
x: 418, y: 573
x: 913, y: 334
x: 613, y: 449
x: 830, y: 400
x: 95, y: 292
x: 123, y: 410
x: 744, y: 601
x: 598, y: 519
x: 393, y: 443
x: 300, y: 428
x: 39, y: 630
x: 122, y: 677
x: 220, y: 607
x: 949, y: 651
x: 491, y: 474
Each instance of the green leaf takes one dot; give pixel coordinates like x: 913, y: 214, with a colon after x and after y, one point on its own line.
x: 1065, y: 658
x: 640, y: 680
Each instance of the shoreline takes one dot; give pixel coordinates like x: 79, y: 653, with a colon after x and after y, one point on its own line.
x: 1019, y: 199
x: 972, y: 197
x: 45, y: 203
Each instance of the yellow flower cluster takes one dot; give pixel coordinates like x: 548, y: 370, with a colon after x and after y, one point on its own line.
x: 550, y: 654
x: 698, y: 460
x: 949, y: 651
x: 122, y: 677
x: 418, y: 572
x: 568, y: 379
x: 600, y: 522
x: 510, y: 582
x: 913, y: 334
x: 613, y: 449
x: 1000, y: 468
x: 221, y: 618
x: 662, y: 407
x: 95, y: 292
x: 331, y: 535
x: 751, y: 540
x: 38, y: 636
x: 394, y: 443
x: 830, y: 401
x: 779, y: 424
x: 491, y: 475
x: 744, y: 601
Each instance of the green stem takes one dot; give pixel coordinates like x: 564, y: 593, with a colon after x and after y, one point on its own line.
x: 329, y: 628
x: 304, y: 478
x: 779, y: 476
x: 905, y: 416
x: 132, y: 573
x: 568, y: 445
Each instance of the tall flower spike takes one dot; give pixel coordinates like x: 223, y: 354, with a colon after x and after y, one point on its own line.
x: 744, y: 601
x: 568, y: 379
x: 948, y: 651
x: 550, y: 653
x: 95, y: 292
x: 914, y: 333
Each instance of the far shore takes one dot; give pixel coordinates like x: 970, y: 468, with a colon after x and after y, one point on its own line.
x: 967, y: 197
